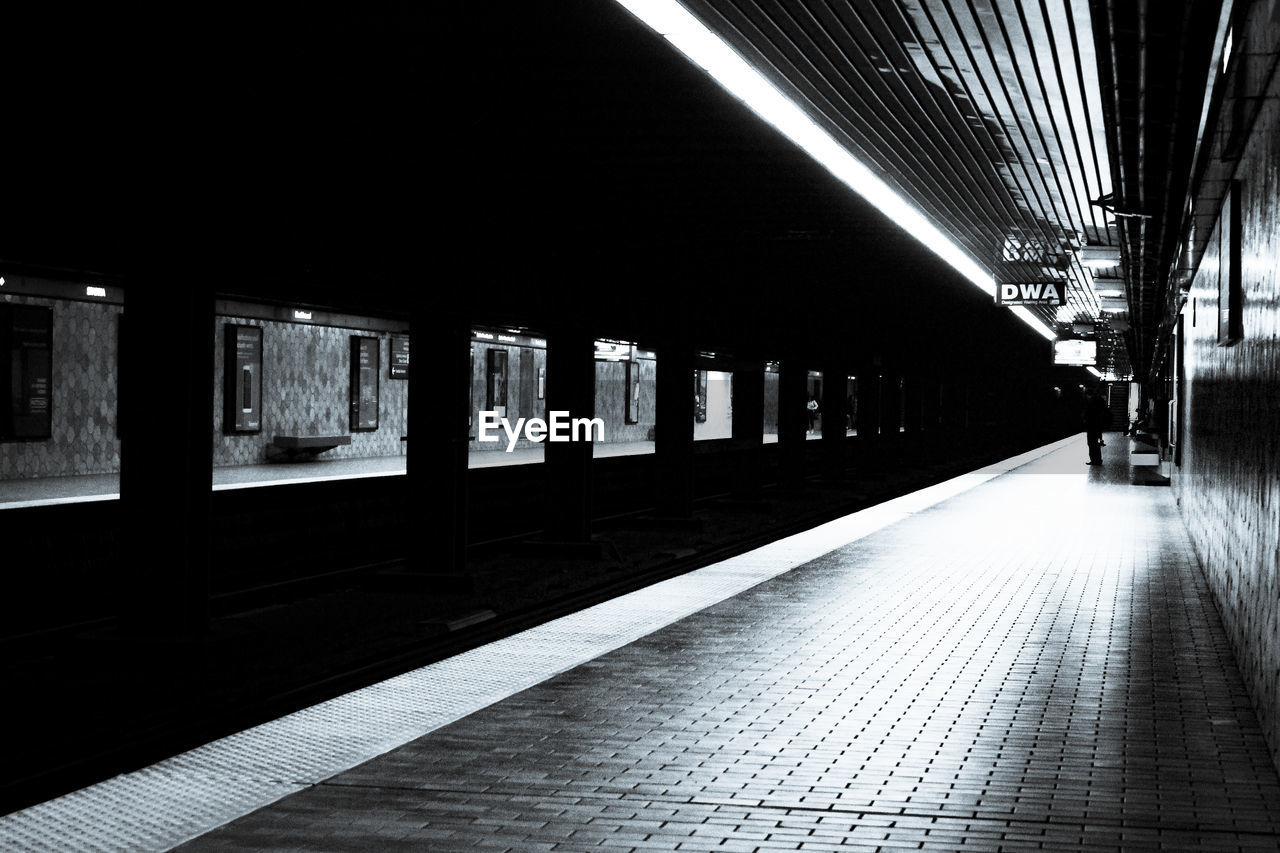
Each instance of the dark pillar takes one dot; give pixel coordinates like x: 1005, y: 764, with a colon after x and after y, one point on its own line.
x: 913, y: 401
x: 571, y: 388
x: 870, y: 394
x: 833, y: 410
x: 439, y: 386
x: 793, y: 420
x: 748, y: 423
x: 931, y: 407
x: 166, y: 458
x: 674, y: 430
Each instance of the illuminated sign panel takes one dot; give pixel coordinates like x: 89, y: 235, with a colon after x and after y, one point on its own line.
x: 1033, y: 293
x: 1075, y: 352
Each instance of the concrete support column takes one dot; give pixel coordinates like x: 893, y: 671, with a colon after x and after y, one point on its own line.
x: 793, y: 420
x: 748, y: 423
x: 931, y: 406
x: 571, y: 388
x: 166, y: 457
x: 439, y: 387
x: 912, y: 404
x: 674, y: 430
x: 870, y: 394
x: 833, y: 412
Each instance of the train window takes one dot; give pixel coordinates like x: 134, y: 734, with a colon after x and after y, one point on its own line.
x: 305, y: 394
x: 508, y: 390
x: 626, y: 376
x: 772, y: 371
x: 59, y: 366
x: 712, y: 397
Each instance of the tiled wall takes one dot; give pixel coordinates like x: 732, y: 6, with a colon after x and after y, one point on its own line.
x: 523, y: 367
x: 85, y: 336
x: 1228, y: 485
x: 306, y: 391
x: 611, y: 400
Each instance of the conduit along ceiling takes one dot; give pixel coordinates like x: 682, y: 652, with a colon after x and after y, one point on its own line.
x: 1161, y: 66
x: 985, y: 115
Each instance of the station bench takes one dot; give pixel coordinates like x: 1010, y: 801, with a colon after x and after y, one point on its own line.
x: 291, y: 448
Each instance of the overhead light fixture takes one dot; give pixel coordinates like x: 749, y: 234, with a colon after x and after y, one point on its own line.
x: 1030, y: 319
x: 1094, y: 371
x: 711, y: 53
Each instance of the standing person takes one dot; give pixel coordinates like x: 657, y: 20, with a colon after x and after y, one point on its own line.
x: 1096, y: 416
x: 812, y: 407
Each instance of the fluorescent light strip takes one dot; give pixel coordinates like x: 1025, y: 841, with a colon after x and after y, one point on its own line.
x: 1030, y: 319
x: 1094, y: 371
x: 708, y: 51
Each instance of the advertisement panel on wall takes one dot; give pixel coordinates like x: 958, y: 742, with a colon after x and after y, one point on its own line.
x: 399, y: 357
x: 242, y: 383
x: 496, y: 382
x: 26, y: 333
x: 364, y: 383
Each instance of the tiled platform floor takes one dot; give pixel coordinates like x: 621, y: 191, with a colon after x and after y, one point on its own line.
x: 1034, y: 664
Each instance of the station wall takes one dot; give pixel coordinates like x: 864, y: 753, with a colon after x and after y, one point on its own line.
x: 611, y: 399
x: 306, y: 391
x: 525, y: 392
x: 84, y: 395
x: 1228, y: 485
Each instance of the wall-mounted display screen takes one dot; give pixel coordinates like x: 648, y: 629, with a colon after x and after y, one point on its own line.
x: 26, y: 374
x: 399, y: 357
x: 242, y: 383
x: 365, y: 366
x: 1075, y: 352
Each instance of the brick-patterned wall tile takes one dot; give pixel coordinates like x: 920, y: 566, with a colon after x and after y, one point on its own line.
x: 1229, y: 483
x: 305, y: 390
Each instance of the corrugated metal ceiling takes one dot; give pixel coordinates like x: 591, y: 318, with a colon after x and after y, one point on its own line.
x: 985, y: 114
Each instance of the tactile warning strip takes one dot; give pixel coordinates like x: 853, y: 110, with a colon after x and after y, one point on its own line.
x: 189, y: 794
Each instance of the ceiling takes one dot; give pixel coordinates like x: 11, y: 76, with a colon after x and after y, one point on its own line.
x: 1158, y: 67
x: 985, y: 114
x: 314, y: 137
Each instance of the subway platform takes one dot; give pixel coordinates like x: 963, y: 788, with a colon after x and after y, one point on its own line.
x: 1022, y: 658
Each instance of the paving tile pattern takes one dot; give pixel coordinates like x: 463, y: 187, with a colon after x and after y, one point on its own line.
x: 189, y: 794
x: 1035, y: 664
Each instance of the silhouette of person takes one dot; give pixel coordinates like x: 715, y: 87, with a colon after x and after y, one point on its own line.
x: 1096, y: 417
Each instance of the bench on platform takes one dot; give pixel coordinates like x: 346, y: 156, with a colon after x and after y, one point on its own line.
x: 290, y: 448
